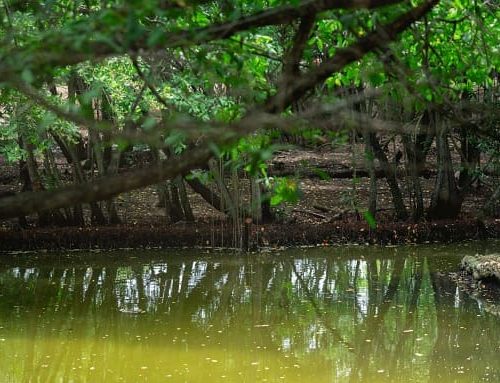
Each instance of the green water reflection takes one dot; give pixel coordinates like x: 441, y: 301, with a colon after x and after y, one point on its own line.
x: 316, y: 315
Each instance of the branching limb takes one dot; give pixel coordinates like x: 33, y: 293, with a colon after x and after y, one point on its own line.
x: 67, y: 54
x: 27, y: 203
x: 102, y: 189
x: 291, y: 66
x: 148, y: 83
x: 375, y: 40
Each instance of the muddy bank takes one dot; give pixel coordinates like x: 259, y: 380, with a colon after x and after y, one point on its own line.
x: 480, y: 279
x: 483, y: 267
x: 222, y: 235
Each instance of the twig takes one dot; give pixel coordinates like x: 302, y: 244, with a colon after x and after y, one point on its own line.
x: 316, y: 215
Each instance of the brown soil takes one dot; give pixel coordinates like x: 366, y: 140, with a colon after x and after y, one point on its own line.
x: 261, y: 236
x: 145, y: 224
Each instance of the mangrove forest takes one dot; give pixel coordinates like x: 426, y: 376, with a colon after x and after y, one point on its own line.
x: 249, y: 191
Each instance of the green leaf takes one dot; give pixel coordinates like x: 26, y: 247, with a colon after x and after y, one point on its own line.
x: 324, y: 176
x: 285, y: 190
x: 370, y: 219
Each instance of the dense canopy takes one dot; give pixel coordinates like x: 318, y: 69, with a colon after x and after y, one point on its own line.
x: 193, y: 82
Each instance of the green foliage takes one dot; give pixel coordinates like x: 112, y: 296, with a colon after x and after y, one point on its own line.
x: 324, y: 176
x: 370, y: 219
x: 252, y: 153
x: 454, y: 50
x: 284, y: 190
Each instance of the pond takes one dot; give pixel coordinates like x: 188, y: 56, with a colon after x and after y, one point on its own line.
x: 333, y: 314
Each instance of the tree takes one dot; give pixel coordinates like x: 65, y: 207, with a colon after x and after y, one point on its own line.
x: 161, y: 74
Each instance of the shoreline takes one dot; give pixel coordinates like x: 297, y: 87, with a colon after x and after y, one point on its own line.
x: 198, y: 234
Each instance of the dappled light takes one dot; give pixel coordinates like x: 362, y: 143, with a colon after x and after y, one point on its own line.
x: 249, y: 191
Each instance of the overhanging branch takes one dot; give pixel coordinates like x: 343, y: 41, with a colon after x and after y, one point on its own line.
x: 56, y: 52
x: 373, y: 41
x: 27, y: 203
x: 102, y: 189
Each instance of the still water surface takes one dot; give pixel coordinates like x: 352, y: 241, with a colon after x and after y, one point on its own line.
x: 347, y: 314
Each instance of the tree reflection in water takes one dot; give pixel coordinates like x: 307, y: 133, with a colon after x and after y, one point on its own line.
x: 346, y: 315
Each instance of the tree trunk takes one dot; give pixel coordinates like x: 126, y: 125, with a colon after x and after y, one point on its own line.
x: 208, y: 195
x: 397, y: 197
x: 174, y: 194
x: 446, y: 200
x: 112, y: 168
x: 107, y: 154
x: 79, y: 87
x: 183, y: 199
x: 267, y: 212
x: 54, y: 176
x: 413, y: 164
x: 255, y: 200
x: 370, y: 164
x: 45, y: 218
x: 226, y: 197
x: 470, y: 157
x: 176, y: 213
x: 78, y: 178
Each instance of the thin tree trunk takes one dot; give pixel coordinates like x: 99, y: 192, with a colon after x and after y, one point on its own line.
x: 470, y: 158
x: 79, y: 87
x: 55, y: 177
x: 104, y: 155
x: 79, y: 178
x: 397, y: 197
x: 226, y: 197
x: 256, y: 200
x: 412, y: 166
x: 114, y: 162
x: 176, y: 213
x: 370, y: 164
x: 45, y: 217
x: 183, y: 198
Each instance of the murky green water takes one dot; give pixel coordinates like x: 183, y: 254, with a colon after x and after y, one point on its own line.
x: 317, y: 315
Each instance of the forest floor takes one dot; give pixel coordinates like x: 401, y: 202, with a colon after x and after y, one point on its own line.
x: 329, y: 212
